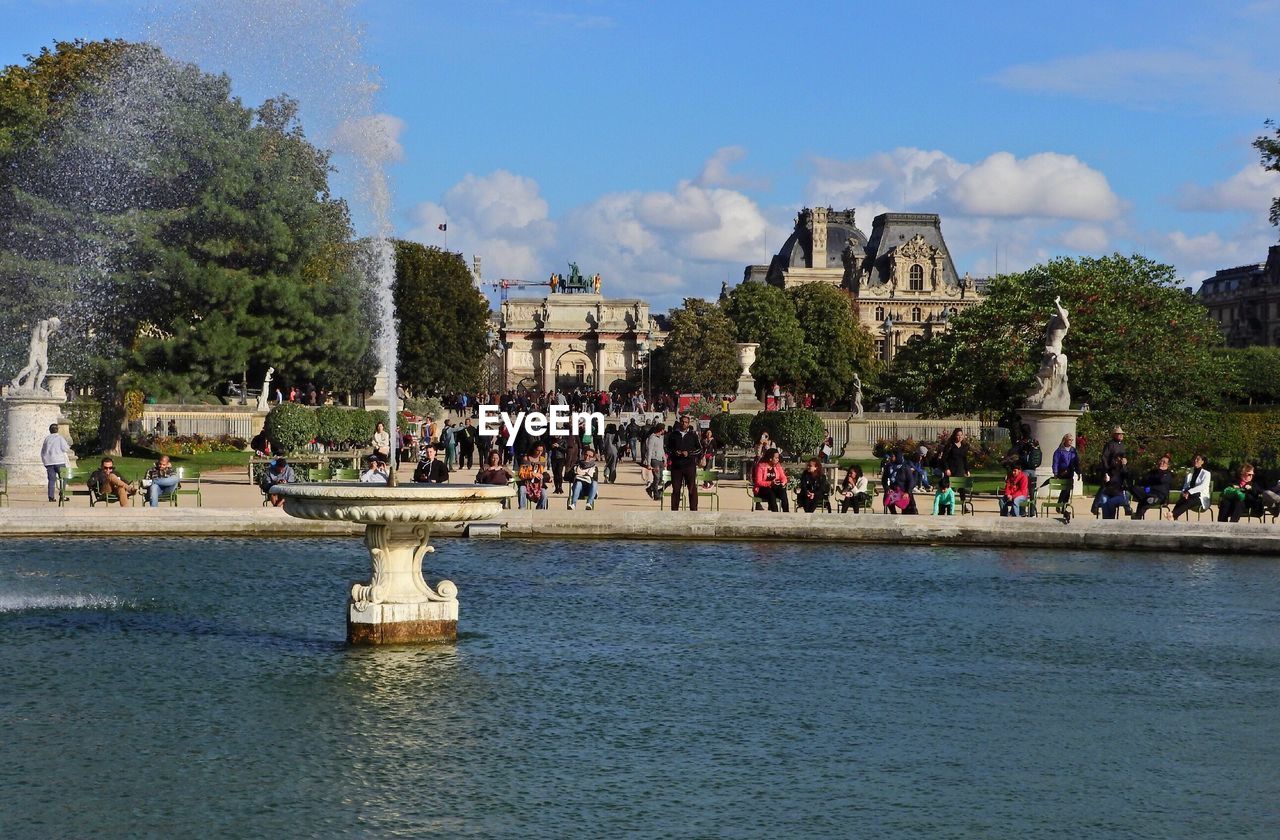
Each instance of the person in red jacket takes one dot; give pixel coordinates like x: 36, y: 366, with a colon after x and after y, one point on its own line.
x: 1015, y: 495
x: 771, y: 481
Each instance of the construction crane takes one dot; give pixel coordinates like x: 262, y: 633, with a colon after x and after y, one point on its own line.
x: 503, y: 285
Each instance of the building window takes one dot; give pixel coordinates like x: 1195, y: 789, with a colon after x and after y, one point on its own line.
x: 879, y: 348
x: 880, y: 314
x: 954, y: 312
x: 580, y: 372
x: 917, y: 278
x: 915, y: 314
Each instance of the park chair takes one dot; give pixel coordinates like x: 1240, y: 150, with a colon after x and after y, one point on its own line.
x: 666, y: 490
x: 188, y: 485
x: 319, y: 474
x: 757, y: 503
x: 713, y: 492
x: 965, y: 492
x: 1049, y: 499
x: 70, y: 484
x: 346, y: 474
x: 4, y: 487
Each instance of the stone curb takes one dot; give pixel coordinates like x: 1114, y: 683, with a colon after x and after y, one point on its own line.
x: 988, y: 531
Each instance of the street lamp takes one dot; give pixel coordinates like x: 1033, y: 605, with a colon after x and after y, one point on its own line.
x: 887, y: 329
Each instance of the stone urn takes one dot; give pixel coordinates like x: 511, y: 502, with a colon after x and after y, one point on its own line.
x: 397, y: 605
x: 746, y: 399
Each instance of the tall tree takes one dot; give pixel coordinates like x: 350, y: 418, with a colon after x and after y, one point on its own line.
x: 444, y: 320
x: 1140, y: 348
x: 184, y: 237
x: 765, y: 315
x: 839, y: 346
x: 701, y: 349
x: 1269, y: 148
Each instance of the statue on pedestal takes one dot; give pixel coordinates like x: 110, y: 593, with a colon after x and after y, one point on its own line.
x: 37, y: 357
x: 1050, y: 388
x: 265, y: 393
x: 857, y: 395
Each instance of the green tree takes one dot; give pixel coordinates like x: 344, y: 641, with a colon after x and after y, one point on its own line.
x: 184, y: 237
x: 701, y: 349
x: 1269, y: 149
x: 797, y: 432
x: 765, y: 315
x: 1255, y: 374
x: 1140, y: 350
x: 290, y: 427
x: 839, y: 346
x: 444, y: 320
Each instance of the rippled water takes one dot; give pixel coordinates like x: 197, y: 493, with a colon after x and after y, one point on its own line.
x: 599, y: 689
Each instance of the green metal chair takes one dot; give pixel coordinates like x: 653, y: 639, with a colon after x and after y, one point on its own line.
x: 1050, y: 495
x: 713, y: 492
x: 188, y: 485
x: 345, y: 474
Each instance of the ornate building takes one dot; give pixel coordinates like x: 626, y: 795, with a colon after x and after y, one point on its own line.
x: 901, y: 278
x: 574, y: 340
x: 1245, y: 301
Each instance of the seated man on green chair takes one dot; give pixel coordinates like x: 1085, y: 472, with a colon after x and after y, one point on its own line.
x: 163, y: 478
x: 106, y: 481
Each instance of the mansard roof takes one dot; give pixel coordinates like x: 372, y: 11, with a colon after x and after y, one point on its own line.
x: 896, y: 230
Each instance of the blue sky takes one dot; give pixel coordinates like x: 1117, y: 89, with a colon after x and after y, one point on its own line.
x: 667, y: 145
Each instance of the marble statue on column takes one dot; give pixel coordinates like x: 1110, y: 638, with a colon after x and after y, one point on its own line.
x: 857, y: 395
x: 265, y: 393
x: 37, y: 357
x: 1050, y: 389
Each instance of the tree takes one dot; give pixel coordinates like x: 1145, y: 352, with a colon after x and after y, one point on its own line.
x: 1255, y: 374
x: 1141, y: 351
x: 701, y: 349
x: 839, y: 346
x: 186, y: 238
x: 444, y: 320
x: 765, y: 315
x: 796, y: 431
x: 1269, y: 149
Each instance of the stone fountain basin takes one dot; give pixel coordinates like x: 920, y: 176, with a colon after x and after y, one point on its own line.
x: 378, y: 504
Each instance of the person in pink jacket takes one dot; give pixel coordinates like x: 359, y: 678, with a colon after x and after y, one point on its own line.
x: 771, y: 480
x: 1015, y: 495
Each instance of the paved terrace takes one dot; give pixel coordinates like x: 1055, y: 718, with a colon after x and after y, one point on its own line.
x: 232, y: 508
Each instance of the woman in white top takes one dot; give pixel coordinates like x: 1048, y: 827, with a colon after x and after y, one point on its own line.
x: 382, y: 441
x: 1196, y: 489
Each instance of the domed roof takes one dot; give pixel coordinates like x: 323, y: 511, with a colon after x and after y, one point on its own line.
x: 797, y: 251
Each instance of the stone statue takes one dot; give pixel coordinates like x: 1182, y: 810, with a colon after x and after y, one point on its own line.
x: 37, y: 357
x: 857, y: 395
x: 849, y: 256
x: 595, y: 282
x: 265, y: 393
x: 1050, y: 388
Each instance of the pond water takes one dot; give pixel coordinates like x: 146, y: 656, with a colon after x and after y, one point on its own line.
x: 198, y: 687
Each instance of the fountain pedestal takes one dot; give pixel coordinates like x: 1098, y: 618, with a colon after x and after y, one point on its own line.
x: 28, y: 413
x: 397, y: 605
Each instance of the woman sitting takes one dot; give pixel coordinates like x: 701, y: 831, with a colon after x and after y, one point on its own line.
x: 771, y: 481
x: 1115, y: 491
x: 1196, y: 488
x: 533, y: 479
x: 944, y: 499
x: 585, y: 485
x: 1153, y: 491
x: 903, y: 480
x: 853, y: 490
x: 1015, y: 494
x: 813, y: 486
x: 493, y: 472
x: 1241, y: 498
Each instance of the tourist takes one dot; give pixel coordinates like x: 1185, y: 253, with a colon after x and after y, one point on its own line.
x: 493, y: 472
x: 953, y: 460
x: 160, y: 480
x: 381, y: 440
x: 853, y: 490
x: 770, y: 481
x: 611, y: 448
x: 559, y: 460
x: 430, y: 469
x: 277, y: 472
x: 1066, y: 468
x: 1110, y: 456
x: 1196, y: 487
x: 533, y: 479
x: 1239, y: 499
x: 106, y: 481
x: 465, y: 439
x: 684, y: 449
x: 377, y: 472
x: 449, y: 439
x: 633, y: 439
x: 172, y: 427
x: 1015, y: 494
x: 707, y: 442
x: 1153, y: 490
x: 944, y: 498
x: 583, y: 475
x: 904, y: 478
x: 762, y: 445
x: 53, y: 454
x: 1271, y: 499
x: 1114, y: 493
x: 828, y: 446
x: 813, y: 487
x: 655, y: 457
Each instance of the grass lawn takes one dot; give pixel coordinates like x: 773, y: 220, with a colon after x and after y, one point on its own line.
x: 133, y: 468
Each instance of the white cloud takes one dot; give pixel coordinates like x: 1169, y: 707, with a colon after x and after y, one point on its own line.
x: 1086, y: 239
x: 1048, y: 185
x: 374, y: 139
x: 1152, y: 78
x: 715, y: 172
x: 1252, y: 189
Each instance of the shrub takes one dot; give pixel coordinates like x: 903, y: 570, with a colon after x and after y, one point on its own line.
x: 193, y: 444
x: 796, y: 431
x: 425, y: 407
x: 701, y: 407
x: 83, y: 414
x: 362, y: 426
x: 732, y: 430
x: 290, y: 427
x: 333, y: 425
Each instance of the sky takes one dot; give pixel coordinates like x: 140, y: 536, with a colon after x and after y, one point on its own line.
x: 668, y: 145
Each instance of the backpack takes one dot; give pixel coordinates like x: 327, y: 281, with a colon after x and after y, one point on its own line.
x: 1030, y: 457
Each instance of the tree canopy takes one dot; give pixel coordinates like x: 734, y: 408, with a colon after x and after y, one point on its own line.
x: 701, y: 351
x: 839, y: 346
x: 1140, y: 348
x: 1269, y: 149
x: 184, y: 238
x: 763, y: 314
x: 444, y: 320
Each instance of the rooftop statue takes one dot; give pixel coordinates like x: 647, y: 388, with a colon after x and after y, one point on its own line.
x: 37, y: 357
x: 1050, y: 388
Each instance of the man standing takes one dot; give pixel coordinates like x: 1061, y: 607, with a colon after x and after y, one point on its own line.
x: 53, y: 454
x: 466, y: 440
x: 685, y: 449
x: 656, y: 457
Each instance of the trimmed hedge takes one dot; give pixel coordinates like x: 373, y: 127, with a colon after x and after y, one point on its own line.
x: 362, y: 426
x: 732, y: 430
x: 797, y: 431
x: 290, y: 427
x: 333, y: 425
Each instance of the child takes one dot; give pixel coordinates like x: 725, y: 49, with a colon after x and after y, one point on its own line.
x: 944, y: 499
